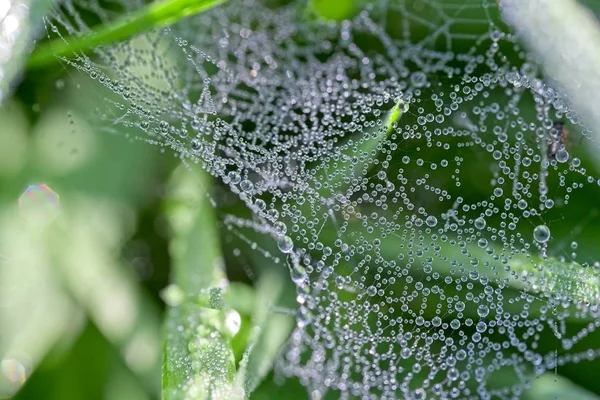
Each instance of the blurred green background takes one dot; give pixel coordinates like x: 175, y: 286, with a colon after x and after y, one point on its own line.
x: 79, y: 290
x: 80, y: 284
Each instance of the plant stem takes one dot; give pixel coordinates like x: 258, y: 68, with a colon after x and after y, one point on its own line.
x: 154, y: 15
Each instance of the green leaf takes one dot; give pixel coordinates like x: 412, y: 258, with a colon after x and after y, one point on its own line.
x: 241, y: 297
x: 336, y: 10
x: 567, y: 281
x: 564, y: 280
x: 198, y: 360
x: 154, y: 15
x: 54, y: 293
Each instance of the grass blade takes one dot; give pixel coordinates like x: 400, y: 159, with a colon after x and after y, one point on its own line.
x: 567, y: 281
x: 198, y: 360
x: 550, y: 386
x: 269, y: 332
x: 154, y: 15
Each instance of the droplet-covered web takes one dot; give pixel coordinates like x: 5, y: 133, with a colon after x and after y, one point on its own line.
x: 404, y: 166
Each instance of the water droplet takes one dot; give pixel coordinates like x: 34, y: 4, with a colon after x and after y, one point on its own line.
x: 246, y: 185
x: 233, y: 322
x: 16, y: 372
x: 562, y: 155
x: 298, y: 273
x: 280, y: 228
x: 453, y: 374
x: 405, y: 352
x: 418, y: 79
x: 483, y: 311
x: 195, y: 144
x: 304, y: 317
x: 431, y: 221
x: 480, y: 223
x: 541, y: 233
x: 481, y: 327
x: 172, y: 295
x: 285, y: 244
x: 234, y: 177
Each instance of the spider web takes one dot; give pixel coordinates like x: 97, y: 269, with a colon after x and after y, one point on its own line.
x: 427, y: 251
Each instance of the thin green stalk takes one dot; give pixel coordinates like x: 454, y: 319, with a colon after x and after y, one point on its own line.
x: 154, y: 15
x: 198, y: 359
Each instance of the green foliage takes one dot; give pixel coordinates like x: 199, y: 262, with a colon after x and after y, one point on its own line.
x: 335, y: 11
x: 550, y: 387
x: 65, y: 276
x: 203, y: 357
x: 198, y: 353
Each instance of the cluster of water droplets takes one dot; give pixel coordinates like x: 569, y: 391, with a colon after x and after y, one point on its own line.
x: 398, y: 163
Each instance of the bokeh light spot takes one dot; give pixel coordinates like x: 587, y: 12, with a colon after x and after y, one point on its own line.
x: 39, y: 204
x: 13, y: 374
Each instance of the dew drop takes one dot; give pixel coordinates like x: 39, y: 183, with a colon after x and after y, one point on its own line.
x: 483, y: 311
x: 280, y: 228
x: 480, y: 223
x: 371, y: 290
x: 234, y: 177
x: 431, y: 221
x: 541, y: 234
x: 562, y: 155
x: 285, y: 244
x: 246, y: 185
x: 418, y: 79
